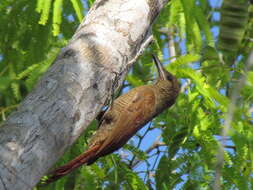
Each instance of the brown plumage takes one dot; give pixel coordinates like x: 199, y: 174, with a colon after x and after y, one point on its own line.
x: 129, y: 113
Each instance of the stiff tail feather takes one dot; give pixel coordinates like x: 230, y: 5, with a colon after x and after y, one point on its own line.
x: 72, y: 165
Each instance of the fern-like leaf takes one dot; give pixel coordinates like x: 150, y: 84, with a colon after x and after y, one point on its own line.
x: 45, y: 12
x: 57, y: 16
x: 78, y: 9
x: 27, y: 71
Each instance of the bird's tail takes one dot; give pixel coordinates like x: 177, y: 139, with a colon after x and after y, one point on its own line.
x: 70, y: 166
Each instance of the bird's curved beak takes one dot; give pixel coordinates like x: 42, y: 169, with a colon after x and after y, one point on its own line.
x: 161, y: 70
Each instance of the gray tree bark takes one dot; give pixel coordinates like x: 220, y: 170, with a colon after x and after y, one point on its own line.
x: 74, y: 89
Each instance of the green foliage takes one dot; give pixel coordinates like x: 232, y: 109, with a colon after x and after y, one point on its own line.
x: 44, y: 8
x: 78, y: 9
x: 27, y: 48
x: 57, y: 20
x: 234, y: 18
x: 179, y: 148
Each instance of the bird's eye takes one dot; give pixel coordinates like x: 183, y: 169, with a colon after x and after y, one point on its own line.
x: 169, y: 77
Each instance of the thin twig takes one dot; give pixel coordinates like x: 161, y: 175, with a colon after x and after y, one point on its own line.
x: 171, y: 44
x: 157, y: 143
x: 139, y: 143
x: 141, y: 50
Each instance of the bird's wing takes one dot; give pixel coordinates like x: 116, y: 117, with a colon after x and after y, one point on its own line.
x: 137, y: 113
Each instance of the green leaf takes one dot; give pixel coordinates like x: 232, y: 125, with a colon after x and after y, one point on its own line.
x: 16, y: 90
x: 4, y: 83
x: 163, y: 174
x: 134, y: 181
x: 57, y: 16
x: 78, y: 9
x: 133, y: 80
x: 27, y: 71
x: 234, y: 18
x: 250, y: 77
x: 40, y: 4
x: 45, y: 12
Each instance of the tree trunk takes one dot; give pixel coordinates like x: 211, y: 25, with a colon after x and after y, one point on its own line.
x: 72, y: 92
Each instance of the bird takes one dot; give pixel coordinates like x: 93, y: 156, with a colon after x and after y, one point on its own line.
x: 127, y: 114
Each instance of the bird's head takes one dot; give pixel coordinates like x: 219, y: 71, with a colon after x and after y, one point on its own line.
x: 163, y: 74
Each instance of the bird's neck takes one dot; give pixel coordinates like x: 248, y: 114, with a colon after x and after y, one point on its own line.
x: 166, y: 93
